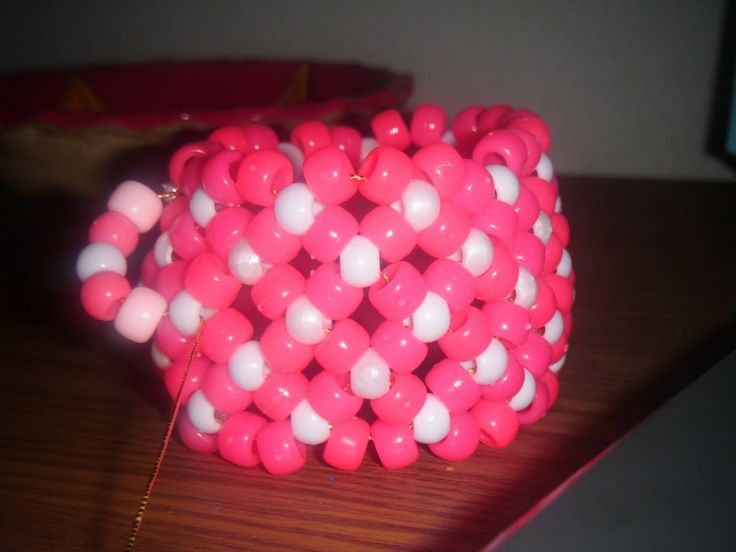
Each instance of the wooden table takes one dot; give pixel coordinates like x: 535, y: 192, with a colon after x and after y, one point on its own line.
x: 83, y: 413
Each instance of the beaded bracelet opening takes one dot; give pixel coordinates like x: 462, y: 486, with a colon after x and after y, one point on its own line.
x: 411, y: 287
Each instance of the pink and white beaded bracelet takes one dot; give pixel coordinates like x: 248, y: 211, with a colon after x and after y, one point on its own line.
x: 457, y: 235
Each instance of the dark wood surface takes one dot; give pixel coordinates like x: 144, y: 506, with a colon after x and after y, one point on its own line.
x: 83, y: 413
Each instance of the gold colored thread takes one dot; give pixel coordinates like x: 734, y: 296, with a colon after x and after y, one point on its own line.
x: 166, y: 196
x: 358, y: 177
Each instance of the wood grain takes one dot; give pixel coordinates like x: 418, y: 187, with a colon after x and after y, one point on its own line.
x: 83, y: 413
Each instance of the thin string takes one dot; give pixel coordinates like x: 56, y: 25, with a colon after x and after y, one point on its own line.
x: 138, y: 521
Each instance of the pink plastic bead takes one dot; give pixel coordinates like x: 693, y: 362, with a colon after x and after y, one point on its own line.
x: 533, y: 151
x: 330, y: 396
x: 328, y: 173
x: 499, y: 220
x: 219, y: 177
x: 222, y: 392
x: 283, y: 352
x: 186, y: 239
x: 507, y: 321
x: 447, y: 233
x: 501, y: 147
x: 553, y: 387
x: 544, y: 307
x: 390, y: 232
x: 390, y: 129
x: 526, y: 209
x: 387, y: 171
x: 462, y: 441
x: 347, y: 444
x: 535, y: 411
x: 149, y: 270
x: 117, y: 229
x: 498, y: 423
x: 330, y: 232
x: 175, y: 374
x: 187, y: 154
x: 562, y: 289
x: 223, y: 332
x: 327, y: 291
x: 490, y: 119
x: 465, y: 128
x: 194, y: 439
x: 140, y: 314
x: 348, y: 140
x: 236, y: 439
x: 443, y: 165
x: 561, y: 227
x: 469, y: 339
x: 276, y: 289
x: 398, y: 347
x: 500, y: 278
x: 208, y: 280
x: 395, y: 445
x: 451, y: 281
x: 339, y: 351
x: 535, y: 354
x: 280, y: 453
x: 172, y: 343
x: 169, y: 279
x: 398, y: 294
x: 103, y: 293
x: 261, y: 175
x: 528, y: 250
x: 226, y: 228
x: 552, y: 254
x: 138, y: 203
x: 543, y: 191
x: 311, y: 136
x: 403, y: 401
x: 532, y: 124
x: 507, y: 385
x: 280, y: 394
x: 230, y: 138
x: 272, y: 243
x: 475, y: 191
x: 191, y: 177
x: 453, y: 385
x: 428, y: 124
x: 559, y: 348
x: 261, y: 137
x: 171, y: 212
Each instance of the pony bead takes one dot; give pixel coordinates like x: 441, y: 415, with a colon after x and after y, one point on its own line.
x: 301, y: 284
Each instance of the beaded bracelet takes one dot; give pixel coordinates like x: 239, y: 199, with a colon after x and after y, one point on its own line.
x: 254, y: 292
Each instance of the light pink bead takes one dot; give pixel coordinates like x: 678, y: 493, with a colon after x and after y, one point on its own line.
x: 490, y: 118
x: 330, y: 397
x: 261, y: 175
x: 390, y: 129
x: 562, y: 289
x: 348, y: 140
x: 236, y: 440
x: 398, y: 294
x: 119, y: 230
x: 208, y: 280
x: 443, y: 166
x: 261, y: 137
x: 271, y: 243
x: 451, y: 281
x: 395, y: 445
x: 453, y: 385
x: 507, y: 385
x: 138, y: 203
x: 500, y: 278
x: 507, y: 321
x: 475, y: 191
x: 544, y: 307
x: 140, y: 314
x: 428, y: 124
x: 172, y: 343
x: 327, y: 291
x: 171, y: 212
x: 276, y: 289
x: 311, y: 136
x: 535, y: 354
x: 333, y: 228
x: 223, y: 393
x: 280, y: 394
x: 501, y: 147
x: 518, y: 119
x: 462, y: 441
x: 387, y: 171
x: 526, y: 209
x: 230, y: 138
x: 226, y: 228
x: 469, y: 339
x: 189, y: 154
x: 223, y: 332
x: 498, y: 423
x: 283, y: 352
x: 535, y: 411
x: 403, y: 401
x: 543, y: 191
x: 175, y: 374
x: 528, y: 250
x: 186, y: 238
x: 219, y: 176
x: 280, y: 452
x: 103, y: 293
x: 447, y: 233
x: 398, y: 347
x: 392, y: 234
x: 328, y: 173
x: 499, y: 220
x: 194, y: 439
x: 169, y: 279
x: 346, y: 343
x: 347, y: 444
x: 552, y: 254
x: 465, y: 128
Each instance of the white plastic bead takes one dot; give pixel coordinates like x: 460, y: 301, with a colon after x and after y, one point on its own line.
x: 542, y: 227
x: 99, y: 257
x: 564, y: 267
x: 163, y: 251
x: 526, y: 289
x: 557, y: 366
x: 244, y: 263
x: 553, y: 329
x: 184, y: 313
x: 558, y: 205
x: 491, y: 364
x: 305, y: 322
x: 294, y: 208
x: 370, y: 376
x: 202, y: 207
x: 159, y: 358
x: 431, y: 320
x: 476, y: 252
x: 505, y: 183
x: 544, y: 168
x: 448, y: 138
x: 202, y: 413
x: 420, y: 204
x: 360, y: 262
x: 294, y: 155
x: 432, y: 423
x: 367, y: 145
x: 247, y: 367
x: 525, y: 395
x: 307, y: 426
